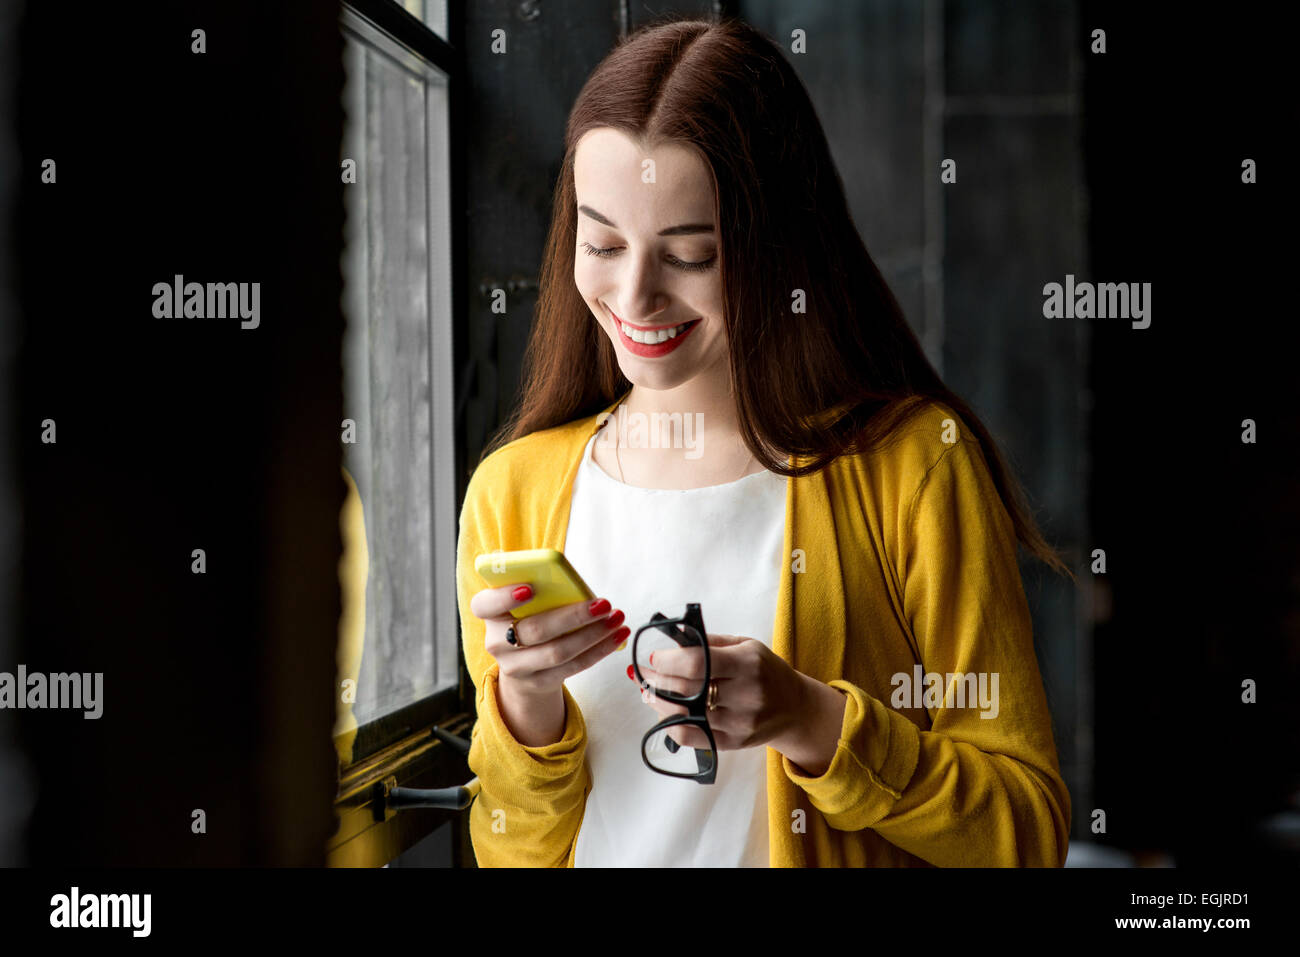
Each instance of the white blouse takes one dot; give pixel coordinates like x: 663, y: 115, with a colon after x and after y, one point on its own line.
x: 649, y: 550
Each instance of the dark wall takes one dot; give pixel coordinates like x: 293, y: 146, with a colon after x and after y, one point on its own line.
x: 515, y: 133
x: 1201, y: 530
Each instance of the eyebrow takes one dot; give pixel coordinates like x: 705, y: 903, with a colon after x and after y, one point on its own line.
x: 686, y: 229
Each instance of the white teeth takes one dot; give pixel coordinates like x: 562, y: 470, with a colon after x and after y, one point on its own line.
x: 652, y: 338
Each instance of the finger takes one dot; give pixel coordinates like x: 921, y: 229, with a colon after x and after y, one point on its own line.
x: 679, y: 662
x: 645, y: 689
x: 611, y: 636
x: 602, y: 648
x: 556, y: 622
x: 532, y: 656
x: 494, y: 604
x: 686, y: 687
x: 722, y: 641
x: 721, y: 719
x: 689, y: 736
x: 664, y: 709
x: 730, y: 660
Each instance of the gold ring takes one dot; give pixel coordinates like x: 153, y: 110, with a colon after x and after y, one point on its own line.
x: 713, y: 694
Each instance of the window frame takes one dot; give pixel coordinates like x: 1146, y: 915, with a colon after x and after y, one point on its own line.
x: 399, y: 748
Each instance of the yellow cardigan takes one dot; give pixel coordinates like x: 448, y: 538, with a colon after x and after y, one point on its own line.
x: 902, y: 558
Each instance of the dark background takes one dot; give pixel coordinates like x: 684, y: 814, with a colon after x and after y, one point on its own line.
x: 1201, y: 530
x: 178, y: 434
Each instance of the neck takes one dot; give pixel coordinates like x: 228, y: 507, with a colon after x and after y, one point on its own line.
x: 708, y: 444
x: 707, y: 397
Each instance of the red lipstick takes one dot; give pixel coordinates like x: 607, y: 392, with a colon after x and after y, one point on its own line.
x: 651, y: 351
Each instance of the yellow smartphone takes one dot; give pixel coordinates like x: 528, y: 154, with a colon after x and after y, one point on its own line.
x: 554, y: 581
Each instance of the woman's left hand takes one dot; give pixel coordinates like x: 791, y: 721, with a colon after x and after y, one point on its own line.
x: 761, y: 700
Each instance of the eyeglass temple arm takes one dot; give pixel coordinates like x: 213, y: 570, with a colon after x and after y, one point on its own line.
x: 671, y: 630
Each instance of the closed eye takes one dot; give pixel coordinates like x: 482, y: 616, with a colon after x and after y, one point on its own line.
x: 673, y: 260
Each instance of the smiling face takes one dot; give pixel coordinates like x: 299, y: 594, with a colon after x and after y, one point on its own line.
x: 647, y: 256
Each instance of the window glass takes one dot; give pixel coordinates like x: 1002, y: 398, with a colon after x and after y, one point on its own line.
x: 432, y: 13
x: 397, y: 373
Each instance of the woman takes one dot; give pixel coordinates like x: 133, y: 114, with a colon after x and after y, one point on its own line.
x: 843, y: 519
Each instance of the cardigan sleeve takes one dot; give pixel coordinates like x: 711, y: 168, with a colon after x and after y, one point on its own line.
x: 531, y: 799
x: 982, y: 786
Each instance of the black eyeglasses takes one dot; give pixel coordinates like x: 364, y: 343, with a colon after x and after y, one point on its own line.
x: 658, y: 750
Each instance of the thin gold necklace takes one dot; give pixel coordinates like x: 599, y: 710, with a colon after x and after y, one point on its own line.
x: 619, y: 462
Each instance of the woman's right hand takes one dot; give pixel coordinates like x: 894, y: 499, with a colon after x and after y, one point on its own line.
x: 552, y: 645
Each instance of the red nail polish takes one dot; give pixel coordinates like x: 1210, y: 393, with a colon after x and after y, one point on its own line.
x: 599, y: 606
x: 521, y: 593
x: 631, y: 672
x: 614, y: 619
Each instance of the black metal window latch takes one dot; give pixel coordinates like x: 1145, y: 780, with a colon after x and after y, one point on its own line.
x: 388, y: 797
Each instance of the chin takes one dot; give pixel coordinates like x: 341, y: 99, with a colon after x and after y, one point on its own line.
x: 657, y: 380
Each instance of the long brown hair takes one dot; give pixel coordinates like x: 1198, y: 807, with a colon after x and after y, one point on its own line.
x: 723, y: 89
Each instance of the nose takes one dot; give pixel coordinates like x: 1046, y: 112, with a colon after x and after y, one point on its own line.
x: 640, y: 296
